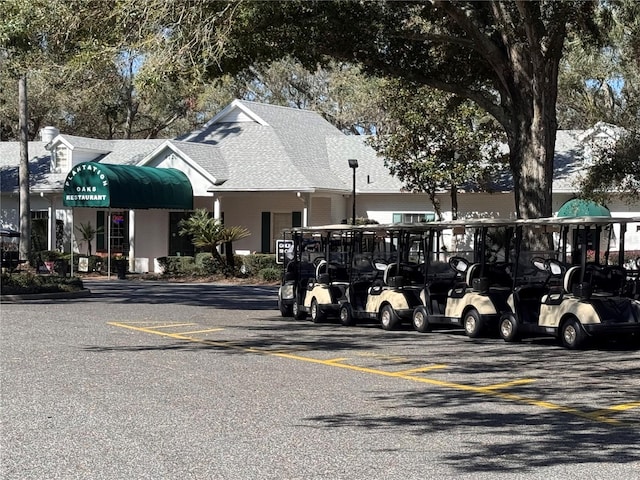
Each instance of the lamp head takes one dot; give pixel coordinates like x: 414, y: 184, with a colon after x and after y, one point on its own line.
x: 353, y: 163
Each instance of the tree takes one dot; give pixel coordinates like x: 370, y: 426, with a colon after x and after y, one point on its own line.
x: 25, y: 198
x: 208, y: 233
x: 88, y: 233
x: 602, y: 84
x: 504, y: 56
x: 615, y: 170
x: 437, y: 142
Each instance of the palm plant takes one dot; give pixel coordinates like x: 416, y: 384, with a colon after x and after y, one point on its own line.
x: 207, y: 233
x: 88, y: 233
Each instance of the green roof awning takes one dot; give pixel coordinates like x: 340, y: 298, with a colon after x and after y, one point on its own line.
x: 100, y: 185
x: 579, y: 207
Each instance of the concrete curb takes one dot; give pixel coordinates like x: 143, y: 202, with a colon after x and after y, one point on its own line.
x: 45, y: 296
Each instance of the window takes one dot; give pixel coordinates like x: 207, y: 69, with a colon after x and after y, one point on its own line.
x: 179, y: 244
x: 61, y: 159
x: 39, y: 230
x: 119, y: 233
x: 414, y: 217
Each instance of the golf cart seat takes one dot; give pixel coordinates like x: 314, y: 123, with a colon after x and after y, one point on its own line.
x: 391, y: 276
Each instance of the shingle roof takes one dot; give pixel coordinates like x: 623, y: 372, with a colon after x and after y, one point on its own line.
x: 267, y: 147
x: 121, y: 152
x: 286, y: 152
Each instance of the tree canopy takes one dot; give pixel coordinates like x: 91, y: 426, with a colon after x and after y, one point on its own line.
x: 503, y: 56
x: 455, y: 145
x: 140, y: 69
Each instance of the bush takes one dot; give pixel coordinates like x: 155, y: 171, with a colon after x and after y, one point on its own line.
x: 270, y: 274
x: 177, y: 265
x: 28, y: 283
x: 256, y: 262
x: 206, y: 264
x: 260, y: 266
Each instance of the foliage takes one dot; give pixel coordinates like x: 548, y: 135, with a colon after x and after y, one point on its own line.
x: 88, y: 233
x: 616, y: 170
x: 437, y: 142
x: 28, y: 283
x: 202, y: 265
x: 100, y: 68
x: 258, y: 261
x: 177, y: 265
x: 208, y: 233
x: 503, y: 56
x: 601, y: 83
x: 270, y: 274
x: 341, y: 92
x: 49, y: 255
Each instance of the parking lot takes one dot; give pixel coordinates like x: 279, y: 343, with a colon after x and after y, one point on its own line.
x: 155, y: 380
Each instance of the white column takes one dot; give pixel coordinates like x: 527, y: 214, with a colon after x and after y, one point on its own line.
x: 69, y: 224
x: 132, y: 240
x: 51, y: 227
x: 217, y: 207
x: 304, y: 198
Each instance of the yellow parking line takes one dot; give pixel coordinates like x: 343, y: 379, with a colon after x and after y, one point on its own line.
x: 171, y: 325
x: 391, y: 358
x: 420, y: 370
x: 202, y: 331
x: 333, y: 361
x: 618, y: 408
x: 468, y: 388
x: 499, y: 386
x: 274, y: 350
x: 594, y: 416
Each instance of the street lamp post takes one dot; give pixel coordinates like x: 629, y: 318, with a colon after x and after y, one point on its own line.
x: 353, y: 163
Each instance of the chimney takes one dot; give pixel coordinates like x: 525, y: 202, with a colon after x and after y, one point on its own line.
x: 49, y: 133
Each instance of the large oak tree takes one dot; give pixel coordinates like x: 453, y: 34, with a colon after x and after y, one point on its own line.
x: 504, y: 56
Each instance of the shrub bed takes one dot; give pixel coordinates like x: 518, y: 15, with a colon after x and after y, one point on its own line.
x: 28, y: 283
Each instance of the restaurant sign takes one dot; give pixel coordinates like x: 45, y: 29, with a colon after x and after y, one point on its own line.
x: 86, y: 185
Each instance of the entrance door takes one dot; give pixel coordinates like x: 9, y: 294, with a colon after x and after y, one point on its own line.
x: 280, y: 222
x: 179, y: 244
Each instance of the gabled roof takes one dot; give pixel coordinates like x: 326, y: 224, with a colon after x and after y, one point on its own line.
x: 81, y: 143
x: 268, y: 147
x: 261, y: 147
x: 119, y: 152
x: 205, y: 159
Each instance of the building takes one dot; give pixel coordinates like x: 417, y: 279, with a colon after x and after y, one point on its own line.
x: 259, y: 166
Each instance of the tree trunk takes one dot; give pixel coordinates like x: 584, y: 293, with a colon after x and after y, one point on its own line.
x: 435, y: 202
x: 531, y: 159
x: 228, y: 249
x: 23, y: 172
x: 532, y: 137
x: 454, y: 202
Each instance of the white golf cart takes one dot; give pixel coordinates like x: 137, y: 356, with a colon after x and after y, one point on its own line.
x: 579, y: 299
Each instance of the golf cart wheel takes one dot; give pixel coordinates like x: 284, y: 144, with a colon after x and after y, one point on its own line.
x: 472, y: 323
x: 388, y: 318
x: 572, y: 335
x: 346, y: 315
x: 509, y: 329
x: 317, y: 315
x: 297, y: 313
x: 420, y: 320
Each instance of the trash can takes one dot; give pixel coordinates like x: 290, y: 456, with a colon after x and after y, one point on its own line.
x: 121, y: 269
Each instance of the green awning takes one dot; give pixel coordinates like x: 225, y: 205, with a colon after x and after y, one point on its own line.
x: 579, y: 207
x: 100, y: 185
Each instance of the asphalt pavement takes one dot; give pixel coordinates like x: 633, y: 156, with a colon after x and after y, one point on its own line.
x: 153, y: 380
